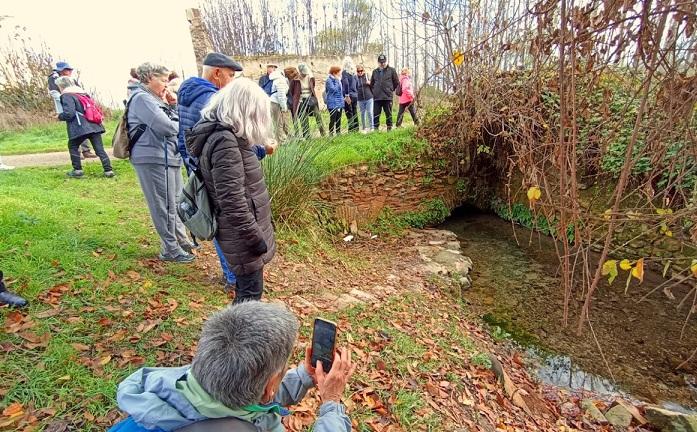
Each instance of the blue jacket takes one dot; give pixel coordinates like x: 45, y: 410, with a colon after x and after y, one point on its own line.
x: 193, y: 96
x: 266, y: 83
x: 154, y: 403
x: 349, y: 85
x: 334, y: 93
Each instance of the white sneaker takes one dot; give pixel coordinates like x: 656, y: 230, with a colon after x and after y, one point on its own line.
x: 4, y: 167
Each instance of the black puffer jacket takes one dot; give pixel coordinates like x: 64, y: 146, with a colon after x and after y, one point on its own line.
x: 235, y: 183
x: 74, y: 116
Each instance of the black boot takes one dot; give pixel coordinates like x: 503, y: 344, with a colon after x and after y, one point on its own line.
x: 8, y: 298
x: 11, y: 299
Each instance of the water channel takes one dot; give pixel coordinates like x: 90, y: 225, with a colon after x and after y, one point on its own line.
x: 514, y: 286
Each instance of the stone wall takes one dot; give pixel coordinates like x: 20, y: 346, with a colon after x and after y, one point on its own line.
x: 362, y: 192
x: 199, y: 37
x: 255, y: 66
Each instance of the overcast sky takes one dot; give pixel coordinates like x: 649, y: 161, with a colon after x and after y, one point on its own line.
x: 104, y: 39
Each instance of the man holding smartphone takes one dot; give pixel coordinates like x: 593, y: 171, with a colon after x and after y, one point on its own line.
x: 238, y: 379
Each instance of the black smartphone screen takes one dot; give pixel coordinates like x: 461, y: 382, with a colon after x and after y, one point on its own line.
x: 323, y: 340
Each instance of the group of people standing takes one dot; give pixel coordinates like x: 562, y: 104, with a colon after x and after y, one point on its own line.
x: 348, y: 90
x: 218, y: 127
x: 220, y: 135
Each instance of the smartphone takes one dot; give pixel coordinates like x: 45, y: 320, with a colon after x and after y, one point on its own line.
x: 323, y: 343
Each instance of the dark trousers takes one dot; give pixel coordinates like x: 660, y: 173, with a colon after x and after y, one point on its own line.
x: 249, y: 286
x: 412, y: 112
x: 96, y: 141
x: 335, y: 121
x: 352, y: 115
x: 378, y: 106
x: 304, y: 113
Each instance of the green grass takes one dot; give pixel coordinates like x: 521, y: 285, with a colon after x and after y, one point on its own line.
x: 406, y: 409
x: 53, y: 137
x: 47, y: 138
x: 86, y: 248
x: 93, y: 237
x: 398, y: 149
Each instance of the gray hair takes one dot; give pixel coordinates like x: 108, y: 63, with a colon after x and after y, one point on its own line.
x: 205, y: 70
x: 245, y: 107
x: 64, y: 82
x: 349, y: 66
x: 241, y: 348
x: 147, y: 71
x: 304, y: 69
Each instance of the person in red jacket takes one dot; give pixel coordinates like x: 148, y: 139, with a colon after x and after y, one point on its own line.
x: 407, y: 98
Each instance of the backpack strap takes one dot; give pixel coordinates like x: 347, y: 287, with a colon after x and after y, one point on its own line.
x: 229, y: 424
x: 137, y: 132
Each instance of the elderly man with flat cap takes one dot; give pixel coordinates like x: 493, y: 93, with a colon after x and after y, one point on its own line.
x: 194, y: 94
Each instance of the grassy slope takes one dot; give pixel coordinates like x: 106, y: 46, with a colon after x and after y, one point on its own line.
x: 52, y: 137
x: 82, y: 237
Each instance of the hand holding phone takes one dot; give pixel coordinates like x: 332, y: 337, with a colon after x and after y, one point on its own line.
x: 330, y: 368
x: 332, y: 385
x: 323, y: 343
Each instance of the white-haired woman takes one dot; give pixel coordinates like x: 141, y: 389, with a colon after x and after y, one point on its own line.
x: 236, y: 119
x: 349, y: 85
x: 238, y: 380
x: 153, y: 126
x: 80, y: 129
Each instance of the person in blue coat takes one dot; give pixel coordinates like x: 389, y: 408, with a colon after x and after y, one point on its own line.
x: 334, y: 97
x: 194, y: 94
x: 265, y: 81
x: 239, y: 374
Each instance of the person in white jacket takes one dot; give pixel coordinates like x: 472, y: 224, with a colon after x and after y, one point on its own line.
x: 279, y: 105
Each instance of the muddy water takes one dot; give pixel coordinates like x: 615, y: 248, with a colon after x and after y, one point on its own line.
x: 515, y: 287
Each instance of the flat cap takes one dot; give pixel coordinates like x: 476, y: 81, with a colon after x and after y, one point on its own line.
x: 221, y: 60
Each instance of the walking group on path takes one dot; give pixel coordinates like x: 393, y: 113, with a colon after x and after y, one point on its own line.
x: 219, y: 127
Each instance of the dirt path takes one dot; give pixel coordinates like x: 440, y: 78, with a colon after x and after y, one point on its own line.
x: 44, y: 159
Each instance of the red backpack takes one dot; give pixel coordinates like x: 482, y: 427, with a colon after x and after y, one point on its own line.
x: 93, y: 113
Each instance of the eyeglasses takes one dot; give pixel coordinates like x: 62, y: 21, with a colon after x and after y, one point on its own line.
x: 360, y: 71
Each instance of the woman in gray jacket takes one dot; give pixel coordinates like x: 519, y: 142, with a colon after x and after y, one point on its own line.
x: 152, y: 113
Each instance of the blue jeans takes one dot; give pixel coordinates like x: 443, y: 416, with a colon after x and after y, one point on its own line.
x: 366, y: 109
x: 227, y: 273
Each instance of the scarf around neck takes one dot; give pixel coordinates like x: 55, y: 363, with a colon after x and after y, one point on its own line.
x: 211, y: 408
